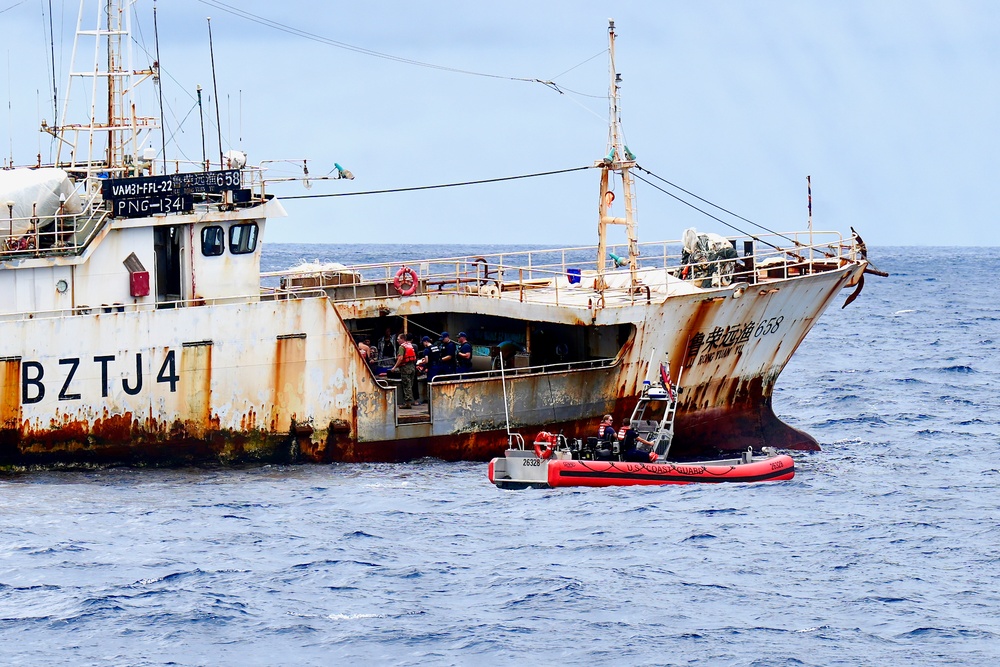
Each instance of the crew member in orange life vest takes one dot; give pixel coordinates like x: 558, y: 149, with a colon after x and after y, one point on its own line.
x: 606, y: 431
x: 406, y: 364
x: 631, y: 441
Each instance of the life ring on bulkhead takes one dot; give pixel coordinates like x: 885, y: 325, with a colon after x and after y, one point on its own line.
x: 405, y: 281
x: 545, y: 444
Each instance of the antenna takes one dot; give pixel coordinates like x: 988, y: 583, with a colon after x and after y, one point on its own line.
x: 215, y: 89
x: 809, y: 191
x: 159, y: 88
x: 201, y: 117
x: 10, y: 113
x: 55, y: 91
x: 503, y: 383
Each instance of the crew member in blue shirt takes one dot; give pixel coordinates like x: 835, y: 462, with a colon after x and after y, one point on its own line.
x: 448, y: 352
x: 427, y: 358
x: 464, y: 360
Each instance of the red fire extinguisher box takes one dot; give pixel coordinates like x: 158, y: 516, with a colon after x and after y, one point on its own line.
x: 139, y: 283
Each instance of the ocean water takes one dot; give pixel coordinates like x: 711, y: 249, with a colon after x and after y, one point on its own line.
x: 884, y: 549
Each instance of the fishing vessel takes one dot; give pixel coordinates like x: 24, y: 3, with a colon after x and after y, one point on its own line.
x: 138, y: 327
x: 638, y: 455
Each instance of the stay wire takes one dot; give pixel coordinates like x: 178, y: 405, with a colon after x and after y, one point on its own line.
x: 16, y: 4
x: 724, y: 210
x: 236, y: 11
x: 435, y: 187
x: 702, y: 211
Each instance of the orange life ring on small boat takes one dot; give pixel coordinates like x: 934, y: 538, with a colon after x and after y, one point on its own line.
x: 545, y: 444
x: 405, y: 281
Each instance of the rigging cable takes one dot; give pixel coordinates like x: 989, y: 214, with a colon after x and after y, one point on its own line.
x: 16, y: 4
x: 735, y: 215
x: 218, y: 4
x: 435, y: 187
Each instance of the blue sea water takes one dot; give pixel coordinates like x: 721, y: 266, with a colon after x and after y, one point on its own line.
x: 884, y: 549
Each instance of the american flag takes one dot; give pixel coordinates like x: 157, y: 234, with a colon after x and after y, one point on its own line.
x: 665, y: 378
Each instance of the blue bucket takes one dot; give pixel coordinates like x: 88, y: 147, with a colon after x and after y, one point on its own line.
x: 573, y: 275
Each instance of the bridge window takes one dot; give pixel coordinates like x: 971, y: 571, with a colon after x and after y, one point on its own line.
x: 243, y: 238
x: 213, y: 241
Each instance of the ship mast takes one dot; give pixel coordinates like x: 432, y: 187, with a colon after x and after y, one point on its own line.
x: 111, y: 140
x: 619, y: 159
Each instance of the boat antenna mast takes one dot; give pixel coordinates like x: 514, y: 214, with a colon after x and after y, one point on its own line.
x: 122, y: 132
x: 618, y: 159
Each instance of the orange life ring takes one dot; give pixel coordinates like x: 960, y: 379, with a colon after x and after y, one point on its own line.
x: 609, y: 198
x: 545, y: 444
x: 405, y: 281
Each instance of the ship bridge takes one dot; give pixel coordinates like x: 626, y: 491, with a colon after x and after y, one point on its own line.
x: 73, y: 243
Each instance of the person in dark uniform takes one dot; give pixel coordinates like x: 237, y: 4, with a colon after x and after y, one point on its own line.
x: 635, y: 447
x: 424, y: 367
x: 426, y: 358
x: 464, y: 353
x: 448, y: 354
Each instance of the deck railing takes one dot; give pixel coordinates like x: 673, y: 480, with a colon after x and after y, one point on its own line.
x: 63, y: 233
x: 559, y: 272
x: 509, y: 371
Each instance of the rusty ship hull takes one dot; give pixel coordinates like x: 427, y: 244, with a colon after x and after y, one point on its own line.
x: 136, y: 326
x: 279, y: 378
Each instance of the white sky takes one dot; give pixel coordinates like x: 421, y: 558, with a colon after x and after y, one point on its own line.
x: 890, y: 106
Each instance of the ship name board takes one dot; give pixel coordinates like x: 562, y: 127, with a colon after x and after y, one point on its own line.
x: 144, y: 206
x: 173, y: 184
x: 38, y: 379
x: 720, y: 343
x: 169, y: 193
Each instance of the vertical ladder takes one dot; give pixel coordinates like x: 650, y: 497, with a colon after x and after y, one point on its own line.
x: 666, y: 430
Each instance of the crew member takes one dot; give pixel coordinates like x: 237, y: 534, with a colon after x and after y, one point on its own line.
x: 606, y: 431
x: 424, y: 365
x: 504, y: 353
x: 635, y: 447
x: 406, y: 364
x: 606, y: 439
x: 365, y: 350
x: 464, y: 353
x: 386, y: 345
x: 448, y: 352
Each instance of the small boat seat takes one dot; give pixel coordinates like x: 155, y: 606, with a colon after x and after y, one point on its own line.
x: 645, y: 427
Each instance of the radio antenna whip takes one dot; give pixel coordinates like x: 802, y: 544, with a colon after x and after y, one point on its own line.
x: 215, y: 88
x: 159, y: 88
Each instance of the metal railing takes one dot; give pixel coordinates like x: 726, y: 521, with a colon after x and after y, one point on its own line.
x: 590, y: 364
x: 559, y: 273
x: 63, y: 233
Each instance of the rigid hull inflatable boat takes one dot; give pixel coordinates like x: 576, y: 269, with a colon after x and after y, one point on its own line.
x: 637, y: 455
